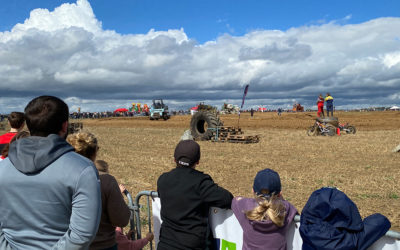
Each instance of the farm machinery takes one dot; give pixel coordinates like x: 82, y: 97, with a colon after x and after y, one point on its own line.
x: 206, y: 125
x: 159, y: 110
x: 329, y: 126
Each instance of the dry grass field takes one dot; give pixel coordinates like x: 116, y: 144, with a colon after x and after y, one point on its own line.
x: 361, y: 165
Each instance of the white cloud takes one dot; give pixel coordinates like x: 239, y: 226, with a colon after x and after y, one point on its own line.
x: 67, y: 53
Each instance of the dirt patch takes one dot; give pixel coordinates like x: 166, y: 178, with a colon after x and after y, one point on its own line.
x: 366, y: 121
x: 362, y: 165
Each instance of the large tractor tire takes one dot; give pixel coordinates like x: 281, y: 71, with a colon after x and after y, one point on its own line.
x: 200, y: 124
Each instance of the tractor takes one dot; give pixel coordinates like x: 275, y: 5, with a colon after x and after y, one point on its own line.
x: 159, y: 110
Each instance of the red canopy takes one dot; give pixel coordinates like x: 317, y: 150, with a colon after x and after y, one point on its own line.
x: 121, y: 110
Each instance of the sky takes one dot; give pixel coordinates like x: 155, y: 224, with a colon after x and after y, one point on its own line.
x: 101, y: 55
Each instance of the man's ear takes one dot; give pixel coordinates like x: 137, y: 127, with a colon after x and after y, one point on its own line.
x: 64, y: 130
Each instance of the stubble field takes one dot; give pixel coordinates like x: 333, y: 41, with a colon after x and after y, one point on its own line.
x: 362, y: 165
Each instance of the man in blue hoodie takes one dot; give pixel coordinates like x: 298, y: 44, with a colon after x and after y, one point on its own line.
x: 49, y: 195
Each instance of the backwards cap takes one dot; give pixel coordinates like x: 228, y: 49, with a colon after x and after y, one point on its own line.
x: 267, y: 179
x: 187, y: 153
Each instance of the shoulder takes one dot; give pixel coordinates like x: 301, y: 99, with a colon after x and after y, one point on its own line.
x: 290, y: 209
x: 75, y: 160
x: 73, y: 165
x: 240, y: 204
x: 107, y: 178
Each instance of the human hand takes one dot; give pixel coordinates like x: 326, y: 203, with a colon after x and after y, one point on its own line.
x: 122, y: 188
x: 129, y: 234
x: 149, y: 236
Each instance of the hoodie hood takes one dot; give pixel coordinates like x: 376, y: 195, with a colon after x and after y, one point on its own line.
x: 33, y: 154
x: 332, y: 206
x: 330, y: 220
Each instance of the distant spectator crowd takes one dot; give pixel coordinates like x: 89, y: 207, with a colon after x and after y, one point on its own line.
x: 56, y: 194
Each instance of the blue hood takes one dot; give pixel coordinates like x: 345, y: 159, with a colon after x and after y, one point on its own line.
x: 330, y: 220
x: 32, y: 154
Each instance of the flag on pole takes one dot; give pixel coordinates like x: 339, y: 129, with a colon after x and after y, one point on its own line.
x: 244, y: 95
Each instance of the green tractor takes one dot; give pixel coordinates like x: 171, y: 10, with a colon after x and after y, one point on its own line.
x: 159, y: 110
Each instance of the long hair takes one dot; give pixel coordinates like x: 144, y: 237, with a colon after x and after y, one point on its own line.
x: 269, y: 207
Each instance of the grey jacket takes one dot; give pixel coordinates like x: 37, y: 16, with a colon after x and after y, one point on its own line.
x: 49, y: 196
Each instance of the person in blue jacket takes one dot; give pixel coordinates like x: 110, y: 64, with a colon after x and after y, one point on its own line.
x: 329, y: 104
x: 330, y: 220
x: 49, y: 195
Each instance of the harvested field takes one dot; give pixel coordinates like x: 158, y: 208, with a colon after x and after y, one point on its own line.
x: 361, y: 165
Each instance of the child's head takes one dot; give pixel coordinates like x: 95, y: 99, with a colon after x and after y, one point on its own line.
x: 102, y: 166
x: 187, y: 153
x: 16, y: 120
x: 267, y: 182
x: 267, y: 188
x: 84, y: 143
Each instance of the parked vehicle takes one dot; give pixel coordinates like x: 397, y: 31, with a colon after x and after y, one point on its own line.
x: 159, y: 110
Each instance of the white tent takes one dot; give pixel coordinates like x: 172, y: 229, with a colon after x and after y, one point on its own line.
x: 395, y: 108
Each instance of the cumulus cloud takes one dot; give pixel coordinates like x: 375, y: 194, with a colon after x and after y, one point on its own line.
x: 67, y: 53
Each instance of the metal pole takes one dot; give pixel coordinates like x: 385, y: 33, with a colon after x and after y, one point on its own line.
x: 137, y: 210
x: 149, y: 216
x: 132, y: 216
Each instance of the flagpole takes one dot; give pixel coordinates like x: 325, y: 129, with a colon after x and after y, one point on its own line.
x: 244, y: 97
x: 238, y: 119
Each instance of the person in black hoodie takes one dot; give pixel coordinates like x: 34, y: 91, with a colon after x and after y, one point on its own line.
x: 186, y: 196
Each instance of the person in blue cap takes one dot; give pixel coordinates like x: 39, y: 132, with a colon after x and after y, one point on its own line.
x: 264, y: 219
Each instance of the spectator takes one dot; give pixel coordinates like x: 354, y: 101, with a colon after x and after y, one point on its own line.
x: 20, y: 135
x: 186, y: 196
x: 265, y: 220
x: 123, y: 241
x: 320, y: 104
x: 279, y: 111
x: 114, y: 212
x: 16, y: 120
x: 252, y: 112
x: 329, y: 104
x: 330, y: 220
x: 49, y: 195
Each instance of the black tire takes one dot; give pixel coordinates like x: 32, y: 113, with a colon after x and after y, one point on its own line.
x: 165, y: 116
x: 200, y: 122
x: 311, y: 131
x: 351, y: 130
x: 331, y: 130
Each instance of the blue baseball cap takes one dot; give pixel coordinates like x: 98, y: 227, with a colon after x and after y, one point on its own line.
x: 267, y: 179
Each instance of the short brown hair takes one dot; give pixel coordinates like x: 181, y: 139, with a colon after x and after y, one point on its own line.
x: 16, y: 119
x: 102, y: 166
x: 45, y: 115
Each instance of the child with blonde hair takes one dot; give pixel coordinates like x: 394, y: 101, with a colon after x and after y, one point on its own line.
x: 264, y: 219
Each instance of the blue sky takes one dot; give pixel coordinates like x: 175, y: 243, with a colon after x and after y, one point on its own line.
x: 99, y: 55
x: 207, y: 19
